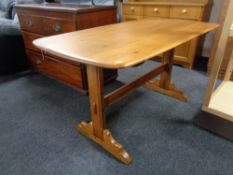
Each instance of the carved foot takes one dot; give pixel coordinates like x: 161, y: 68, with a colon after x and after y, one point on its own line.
x: 108, y: 142
x: 172, y: 91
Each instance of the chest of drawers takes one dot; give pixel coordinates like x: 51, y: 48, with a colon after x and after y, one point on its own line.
x: 39, y: 20
x: 176, y: 9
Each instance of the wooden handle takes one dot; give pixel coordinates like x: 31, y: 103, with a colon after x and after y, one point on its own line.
x: 184, y: 11
x: 132, y: 8
x: 156, y: 10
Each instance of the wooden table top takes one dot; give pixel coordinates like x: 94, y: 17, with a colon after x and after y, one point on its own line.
x: 124, y: 44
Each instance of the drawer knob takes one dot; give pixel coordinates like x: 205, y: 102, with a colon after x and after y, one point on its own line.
x: 156, y: 10
x: 57, y: 28
x: 38, y: 62
x: 132, y: 8
x: 184, y: 11
x: 29, y: 23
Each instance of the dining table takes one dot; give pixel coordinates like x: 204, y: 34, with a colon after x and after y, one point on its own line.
x: 121, y: 46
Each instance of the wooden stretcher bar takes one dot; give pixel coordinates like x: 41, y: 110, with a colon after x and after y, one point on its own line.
x: 116, y: 95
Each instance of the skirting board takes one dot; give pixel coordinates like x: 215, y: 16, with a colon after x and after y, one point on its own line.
x: 215, y: 124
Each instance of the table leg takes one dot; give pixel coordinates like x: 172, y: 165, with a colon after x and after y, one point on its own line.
x: 165, y: 77
x: 164, y: 85
x: 96, y: 129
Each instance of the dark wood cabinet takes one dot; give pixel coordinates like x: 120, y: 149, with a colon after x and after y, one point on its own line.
x: 39, y: 20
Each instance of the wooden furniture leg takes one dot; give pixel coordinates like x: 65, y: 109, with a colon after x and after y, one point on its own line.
x: 96, y: 129
x: 164, y: 84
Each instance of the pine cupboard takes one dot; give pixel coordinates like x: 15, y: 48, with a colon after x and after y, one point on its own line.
x: 195, y: 10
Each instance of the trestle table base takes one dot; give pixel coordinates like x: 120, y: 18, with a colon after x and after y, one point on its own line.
x: 96, y: 130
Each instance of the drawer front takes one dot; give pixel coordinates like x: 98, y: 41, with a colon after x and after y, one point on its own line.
x: 28, y: 39
x: 186, y: 12
x: 156, y: 11
x: 44, y: 25
x: 133, y: 10
x: 57, y: 26
x: 131, y: 17
x: 67, y: 73
x: 31, y: 24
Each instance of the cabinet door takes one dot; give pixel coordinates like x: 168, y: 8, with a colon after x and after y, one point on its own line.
x: 185, y: 53
x: 182, y: 51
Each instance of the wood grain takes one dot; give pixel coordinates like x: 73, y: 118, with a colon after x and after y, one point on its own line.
x: 165, y: 78
x: 95, y: 19
x: 124, y: 44
x: 44, y: 25
x: 108, y: 142
x: 96, y: 129
x: 176, y: 9
x: 118, y: 94
x: 120, y: 46
x: 186, y: 12
x: 156, y: 11
x: 95, y: 82
x: 28, y: 39
x: 56, y: 69
x: 164, y: 85
x: 39, y: 20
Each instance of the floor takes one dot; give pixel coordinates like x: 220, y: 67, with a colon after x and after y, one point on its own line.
x: 37, y: 135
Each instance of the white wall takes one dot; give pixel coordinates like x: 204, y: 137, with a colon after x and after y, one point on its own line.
x: 213, y: 18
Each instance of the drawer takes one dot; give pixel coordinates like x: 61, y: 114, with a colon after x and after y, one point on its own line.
x: 28, y: 39
x: 131, y: 17
x: 45, y: 25
x: 186, y: 12
x: 156, y: 11
x: 67, y: 73
x: 133, y: 10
